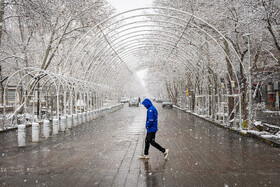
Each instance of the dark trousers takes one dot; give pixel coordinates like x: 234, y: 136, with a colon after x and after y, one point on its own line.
x: 150, y: 139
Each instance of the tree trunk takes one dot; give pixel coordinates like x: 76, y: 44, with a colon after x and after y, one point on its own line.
x: 2, y: 6
x: 1, y: 32
x: 243, y: 91
x: 1, y: 87
x: 229, y: 78
x: 193, y: 100
x: 172, y: 94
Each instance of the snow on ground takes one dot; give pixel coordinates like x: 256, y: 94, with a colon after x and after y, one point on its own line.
x: 271, y: 112
x: 273, y: 126
x: 271, y: 136
x: 263, y: 134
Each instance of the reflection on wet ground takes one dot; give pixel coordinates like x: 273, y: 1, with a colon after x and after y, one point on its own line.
x: 105, y: 153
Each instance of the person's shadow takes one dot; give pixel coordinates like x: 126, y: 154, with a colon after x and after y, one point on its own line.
x: 152, y: 177
x: 147, y: 166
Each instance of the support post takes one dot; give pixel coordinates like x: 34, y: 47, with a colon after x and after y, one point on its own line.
x: 35, y: 132
x: 21, y: 135
x: 46, y: 126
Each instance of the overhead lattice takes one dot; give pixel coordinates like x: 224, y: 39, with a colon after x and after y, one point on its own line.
x: 170, y: 43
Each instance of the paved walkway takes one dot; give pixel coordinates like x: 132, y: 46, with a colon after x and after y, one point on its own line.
x: 105, y: 153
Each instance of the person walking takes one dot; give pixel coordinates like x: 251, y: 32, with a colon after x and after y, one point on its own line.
x: 152, y: 128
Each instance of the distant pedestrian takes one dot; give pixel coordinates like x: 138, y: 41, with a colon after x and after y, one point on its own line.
x: 152, y: 128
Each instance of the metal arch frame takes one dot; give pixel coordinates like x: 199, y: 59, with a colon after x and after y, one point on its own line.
x: 212, y: 38
x: 135, y: 49
x: 140, y: 47
x: 66, y: 81
x: 117, y: 34
x: 64, y: 91
x: 55, y: 79
x: 102, y: 87
x: 183, y: 72
x: 134, y: 36
x: 174, y: 17
x: 65, y: 87
x: 113, y: 57
x: 34, y: 70
x: 28, y: 73
x: 72, y: 87
x: 181, y: 65
x: 233, y: 66
x: 202, y: 82
x: 139, y: 41
x: 106, y: 20
x: 225, y: 54
x: 131, y: 50
x: 135, y: 45
x: 48, y: 86
x: 79, y: 89
x: 146, y: 34
x: 30, y: 82
x: 124, y: 43
x: 229, y: 44
x: 58, y: 86
x: 177, y: 57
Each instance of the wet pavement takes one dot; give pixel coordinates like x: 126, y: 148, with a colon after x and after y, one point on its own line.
x: 105, y: 153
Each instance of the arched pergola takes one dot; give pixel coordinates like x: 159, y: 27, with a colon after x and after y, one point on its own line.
x: 178, y: 48
x: 109, y: 53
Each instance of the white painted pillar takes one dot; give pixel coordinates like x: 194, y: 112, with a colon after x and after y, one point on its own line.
x: 75, y: 120
x: 63, y: 124
x: 94, y: 114
x: 88, y: 116
x: 69, y: 121
x: 21, y: 135
x: 46, y: 127
x: 55, y: 126
x: 35, y: 132
x: 84, y: 117
x: 80, y: 118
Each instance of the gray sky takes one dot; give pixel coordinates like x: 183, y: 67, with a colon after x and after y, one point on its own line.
x: 123, y: 5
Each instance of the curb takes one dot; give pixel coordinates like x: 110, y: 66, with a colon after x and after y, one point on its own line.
x: 7, y: 130
x: 13, y: 128
x: 270, y: 142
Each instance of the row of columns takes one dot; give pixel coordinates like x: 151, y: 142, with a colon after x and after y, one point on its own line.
x: 61, y: 124
x: 216, y: 109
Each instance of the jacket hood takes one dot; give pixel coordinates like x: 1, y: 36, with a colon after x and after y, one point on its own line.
x: 147, y: 103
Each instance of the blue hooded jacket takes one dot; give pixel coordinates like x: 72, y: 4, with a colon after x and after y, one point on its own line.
x: 152, y: 116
